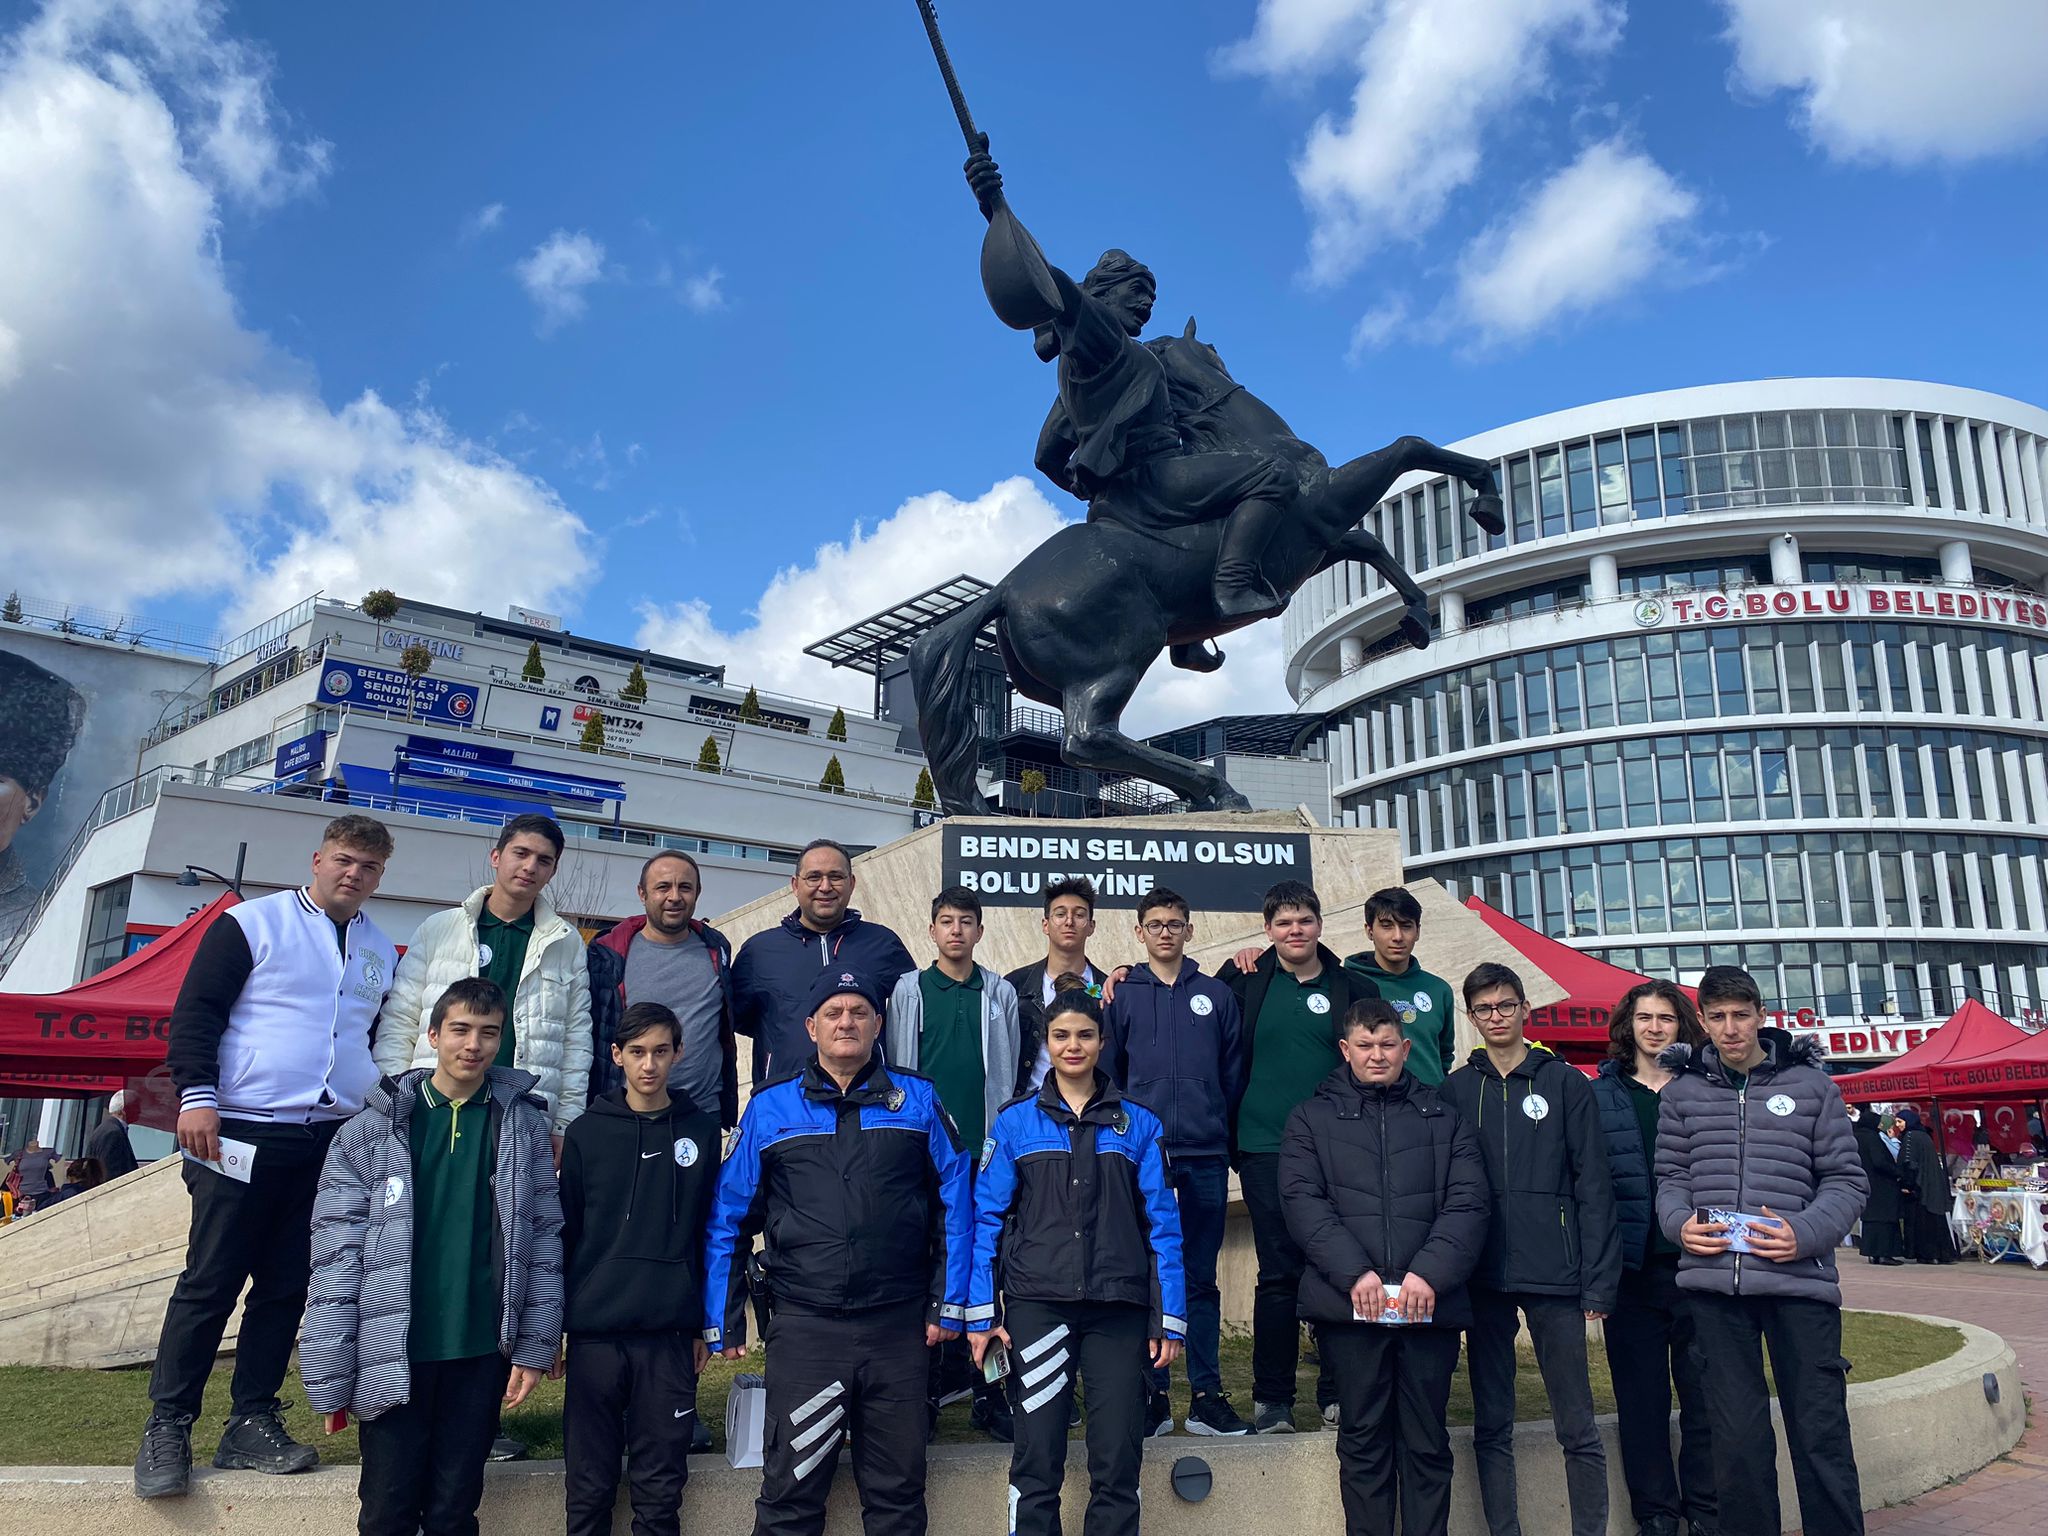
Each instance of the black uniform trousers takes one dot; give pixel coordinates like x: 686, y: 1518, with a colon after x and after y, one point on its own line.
x: 1404, y: 1372
x: 1650, y: 1347
x: 423, y: 1461
x: 1276, y: 1304
x: 633, y: 1394
x: 1557, y: 1329
x: 834, y: 1373
x: 1805, y: 1340
x: 1051, y: 1345
x: 260, y: 1234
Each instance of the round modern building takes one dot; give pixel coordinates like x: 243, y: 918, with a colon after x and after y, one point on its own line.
x: 1757, y: 675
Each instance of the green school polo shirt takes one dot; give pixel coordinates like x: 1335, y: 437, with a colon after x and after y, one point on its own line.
x: 455, y: 1295
x: 506, y: 944
x: 1294, y: 1048
x: 949, y: 1049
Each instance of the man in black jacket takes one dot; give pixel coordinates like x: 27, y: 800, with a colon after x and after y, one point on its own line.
x: 1385, y: 1191
x: 1069, y: 924
x: 638, y: 1172
x: 857, y: 1177
x: 1553, y: 1254
x: 1294, y: 995
x: 109, y: 1140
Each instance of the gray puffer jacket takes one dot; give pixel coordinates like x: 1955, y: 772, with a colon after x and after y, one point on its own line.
x: 1781, y: 1140
x: 352, y: 1353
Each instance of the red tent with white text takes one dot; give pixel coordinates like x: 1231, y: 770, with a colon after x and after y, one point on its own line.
x: 1577, y: 1027
x: 107, y: 1031
x: 1972, y: 1031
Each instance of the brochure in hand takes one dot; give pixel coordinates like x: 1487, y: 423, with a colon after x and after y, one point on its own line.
x: 1389, y: 1312
x: 1739, y: 1225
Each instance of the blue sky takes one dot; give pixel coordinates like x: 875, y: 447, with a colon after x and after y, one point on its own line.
x: 666, y: 316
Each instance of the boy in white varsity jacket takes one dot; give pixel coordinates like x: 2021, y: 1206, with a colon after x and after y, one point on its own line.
x: 270, y: 1048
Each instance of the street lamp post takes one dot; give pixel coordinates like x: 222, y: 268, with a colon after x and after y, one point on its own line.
x: 192, y: 872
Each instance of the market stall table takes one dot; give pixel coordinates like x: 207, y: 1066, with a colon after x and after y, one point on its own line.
x: 1997, y: 1223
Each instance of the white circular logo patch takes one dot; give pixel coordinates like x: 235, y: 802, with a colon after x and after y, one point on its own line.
x: 394, y: 1187
x: 1317, y: 1003
x: 988, y: 1153
x: 1780, y: 1104
x: 1423, y: 1003
x: 483, y: 955
x: 686, y: 1152
x: 1535, y: 1106
x: 1649, y: 613
x: 1200, y: 1006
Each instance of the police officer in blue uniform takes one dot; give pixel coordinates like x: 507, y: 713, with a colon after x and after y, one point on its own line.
x: 859, y: 1181
x: 1077, y: 1231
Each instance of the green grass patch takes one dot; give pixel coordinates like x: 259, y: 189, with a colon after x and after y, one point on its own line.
x: 94, y: 1418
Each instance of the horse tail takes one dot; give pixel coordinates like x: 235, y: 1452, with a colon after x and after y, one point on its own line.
x: 941, y: 682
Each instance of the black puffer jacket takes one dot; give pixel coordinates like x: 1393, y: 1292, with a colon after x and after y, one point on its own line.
x: 1628, y: 1164
x: 1553, y: 1229
x: 1388, y: 1180
x: 1781, y: 1139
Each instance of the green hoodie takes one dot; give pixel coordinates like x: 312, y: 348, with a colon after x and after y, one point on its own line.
x: 1429, y: 1016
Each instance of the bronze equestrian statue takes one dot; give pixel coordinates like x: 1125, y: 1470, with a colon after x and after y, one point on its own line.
x: 1205, y: 513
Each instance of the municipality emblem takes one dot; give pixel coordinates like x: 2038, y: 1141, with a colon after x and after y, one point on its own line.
x: 394, y: 1187
x: 988, y: 1153
x: 1200, y: 1006
x: 1318, y: 1003
x: 686, y: 1152
x: 1780, y: 1104
x: 1535, y: 1106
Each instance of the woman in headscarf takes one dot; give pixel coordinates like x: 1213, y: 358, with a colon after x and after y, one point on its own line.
x: 1881, y: 1235
x: 1927, y: 1203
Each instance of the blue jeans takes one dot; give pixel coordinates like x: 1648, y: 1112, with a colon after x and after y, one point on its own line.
x: 1202, y: 1186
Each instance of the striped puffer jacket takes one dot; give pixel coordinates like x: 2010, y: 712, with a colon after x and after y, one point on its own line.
x: 352, y: 1353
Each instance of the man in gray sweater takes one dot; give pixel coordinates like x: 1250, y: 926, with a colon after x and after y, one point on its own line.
x: 1759, y: 1181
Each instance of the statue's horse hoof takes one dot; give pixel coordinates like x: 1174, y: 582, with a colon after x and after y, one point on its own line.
x: 1225, y: 799
x: 1415, y: 626
x: 1199, y: 657
x: 1487, y: 513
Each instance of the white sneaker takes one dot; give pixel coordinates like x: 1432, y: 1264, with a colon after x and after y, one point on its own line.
x: 1330, y: 1415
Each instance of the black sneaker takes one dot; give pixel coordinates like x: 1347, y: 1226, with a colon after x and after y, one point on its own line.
x: 991, y: 1415
x: 1211, y: 1414
x: 258, y: 1442
x: 505, y: 1448
x: 1272, y: 1418
x: 163, y: 1466
x: 700, y: 1436
x: 1158, y: 1415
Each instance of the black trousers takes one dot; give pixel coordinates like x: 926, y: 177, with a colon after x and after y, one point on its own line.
x: 1881, y: 1239
x: 1053, y: 1344
x: 1557, y: 1327
x: 631, y: 1394
x: 829, y: 1374
x: 1650, y: 1346
x: 260, y: 1234
x: 1403, y: 1373
x: 1276, y: 1304
x: 423, y: 1461
x: 1805, y: 1341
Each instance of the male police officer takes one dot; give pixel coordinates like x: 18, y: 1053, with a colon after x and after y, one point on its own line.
x: 861, y: 1184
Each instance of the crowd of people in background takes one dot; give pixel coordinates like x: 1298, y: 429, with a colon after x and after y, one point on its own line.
x: 513, y: 1154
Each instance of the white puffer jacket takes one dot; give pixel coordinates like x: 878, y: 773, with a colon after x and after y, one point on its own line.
x: 550, y: 1009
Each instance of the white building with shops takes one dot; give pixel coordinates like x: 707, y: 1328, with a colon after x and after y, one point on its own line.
x: 1758, y: 675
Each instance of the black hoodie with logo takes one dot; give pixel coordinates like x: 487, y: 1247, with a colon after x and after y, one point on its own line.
x: 1553, y: 1231
x: 636, y: 1195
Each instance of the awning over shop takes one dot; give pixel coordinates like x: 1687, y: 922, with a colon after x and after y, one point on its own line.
x: 2009, y: 1072
x: 110, y: 1028
x: 570, y: 787
x: 1593, y: 986
x: 1973, y: 1031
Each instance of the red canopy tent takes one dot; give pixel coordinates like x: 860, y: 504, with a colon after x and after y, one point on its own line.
x: 1973, y: 1031
x: 2016, y: 1072
x: 1577, y: 1027
x: 109, y: 1029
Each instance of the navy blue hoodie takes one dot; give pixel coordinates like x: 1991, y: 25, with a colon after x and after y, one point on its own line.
x: 775, y: 969
x: 1180, y: 1052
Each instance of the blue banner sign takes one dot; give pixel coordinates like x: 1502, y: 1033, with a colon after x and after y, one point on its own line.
x: 297, y: 756
x: 457, y: 751
x: 526, y: 781
x: 366, y: 687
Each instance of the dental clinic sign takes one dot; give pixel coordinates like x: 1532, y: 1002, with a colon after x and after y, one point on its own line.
x: 1216, y: 872
x: 1842, y: 600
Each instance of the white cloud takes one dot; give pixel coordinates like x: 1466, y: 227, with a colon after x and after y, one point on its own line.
x: 1607, y: 223
x: 924, y: 542
x: 557, y: 272
x: 705, y: 292
x: 152, y: 442
x: 1376, y: 327
x: 1433, y: 77
x: 1903, y: 81
x: 483, y: 221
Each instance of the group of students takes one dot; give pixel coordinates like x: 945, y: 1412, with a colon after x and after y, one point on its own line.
x: 500, y: 1158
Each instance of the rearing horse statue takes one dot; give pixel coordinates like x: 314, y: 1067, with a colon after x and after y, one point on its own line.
x: 1205, y: 513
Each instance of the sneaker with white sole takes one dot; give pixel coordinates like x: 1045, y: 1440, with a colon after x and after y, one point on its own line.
x: 1330, y: 1415
x: 1158, y: 1415
x: 1211, y: 1414
x: 1272, y: 1418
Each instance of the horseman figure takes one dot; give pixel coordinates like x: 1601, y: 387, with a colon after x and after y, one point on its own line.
x: 1113, y: 439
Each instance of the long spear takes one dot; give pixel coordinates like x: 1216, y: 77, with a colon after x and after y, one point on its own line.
x: 1014, y: 271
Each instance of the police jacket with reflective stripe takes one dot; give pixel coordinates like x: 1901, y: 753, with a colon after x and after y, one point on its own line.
x: 863, y: 1198
x: 1077, y: 1208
